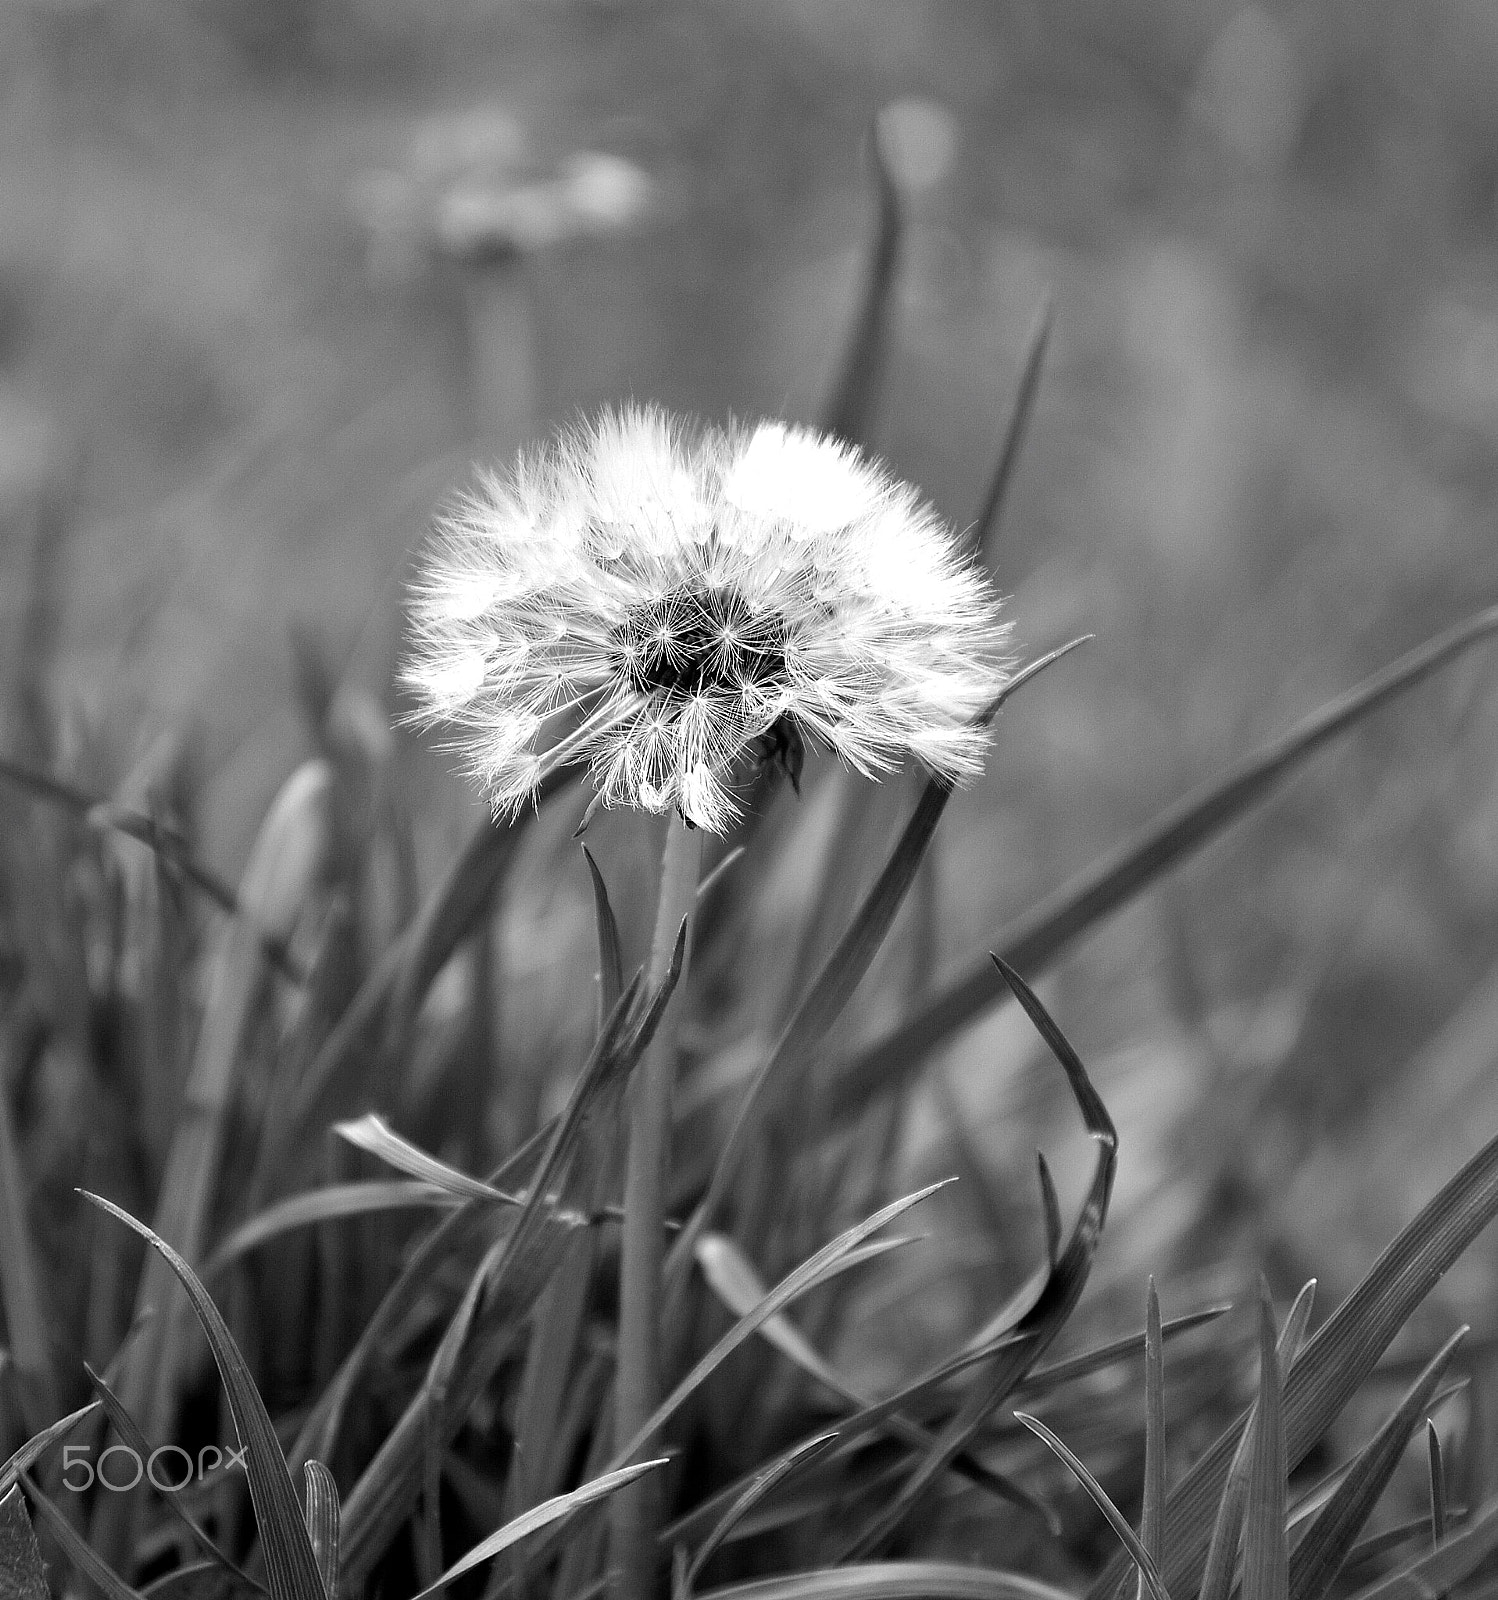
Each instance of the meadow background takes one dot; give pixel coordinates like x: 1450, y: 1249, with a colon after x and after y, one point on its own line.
x: 238, y: 372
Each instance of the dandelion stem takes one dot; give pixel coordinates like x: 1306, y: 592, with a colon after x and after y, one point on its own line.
x: 636, y: 1508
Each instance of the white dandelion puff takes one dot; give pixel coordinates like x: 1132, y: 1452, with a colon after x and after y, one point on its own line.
x: 661, y: 603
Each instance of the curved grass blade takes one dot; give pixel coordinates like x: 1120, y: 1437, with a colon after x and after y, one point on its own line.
x: 830, y: 1260
x: 997, y: 493
x: 1149, y: 1576
x: 764, y: 1480
x: 1152, y: 1516
x: 373, y: 1134
x: 22, y: 1573
x: 834, y: 985
x: 129, y: 1430
x: 849, y: 408
x: 321, y: 1510
x: 610, y: 956
x: 335, y: 1203
x: 1058, y: 1295
x: 893, y: 1580
x: 1338, y: 1357
x: 1033, y: 942
x: 1227, y: 1525
x: 1050, y: 1206
x: 1266, y: 1573
x: 733, y: 1279
x: 1044, y: 1379
x: 1319, y: 1556
x: 1437, y: 1484
x: 291, y: 1568
x: 538, y: 1517
x: 39, y: 1443
x: 77, y: 1549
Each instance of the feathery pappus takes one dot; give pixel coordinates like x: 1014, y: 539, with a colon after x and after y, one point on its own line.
x: 662, y: 601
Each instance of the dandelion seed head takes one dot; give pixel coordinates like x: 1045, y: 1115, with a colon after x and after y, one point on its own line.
x: 654, y: 600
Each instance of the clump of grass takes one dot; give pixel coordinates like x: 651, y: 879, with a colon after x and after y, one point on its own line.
x: 402, y: 1243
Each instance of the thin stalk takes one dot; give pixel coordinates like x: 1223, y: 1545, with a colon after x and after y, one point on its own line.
x: 635, y: 1510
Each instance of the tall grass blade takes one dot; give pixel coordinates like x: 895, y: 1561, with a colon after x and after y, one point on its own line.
x: 22, y: 1574
x: 1338, y: 1357
x: 1033, y: 942
x: 1265, y: 1555
x: 321, y: 1511
x: 1059, y: 1293
x: 1227, y: 1524
x: 291, y: 1568
x: 1437, y: 1484
x: 985, y: 528
x: 1152, y: 1515
x: 610, y: 956
x: 1319, y: 1556
x: 1050, y: 1209
x: 849, y: 408
x: 129, y: 1431
x: 1149, y: 1576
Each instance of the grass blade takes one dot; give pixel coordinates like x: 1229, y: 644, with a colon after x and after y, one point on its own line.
x: 1338, y: 1357
x: 1149, y: 1577
x: 291, y: 1568
x: 610, y: 956
x: 1319, y: 1556
x: 733, y: 1279
x: 1152, y: 1516
x: 893, y: 1580
x: 335, y: 1203
x: 77, y: 1549
x: 373, y: 1134
x: 849, y: 409
x: 763, y: 1481
x: 989, y: 514
x: 20, y: 1284
x: 321, y: 1509
x: 129, y: 1431
x: 1437, y: 1484
x: 1058, y: 1295
x: 40, y: 1443
x: 1265, y: 1559
x: 1038, y: 938
x: 1227, y: 1525
x: 22, y: 1574
x: 827, y: 1262
x: 538, y: 1517
x: 1441, y: 1568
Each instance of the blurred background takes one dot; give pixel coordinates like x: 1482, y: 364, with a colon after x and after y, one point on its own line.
x: 274, y: 274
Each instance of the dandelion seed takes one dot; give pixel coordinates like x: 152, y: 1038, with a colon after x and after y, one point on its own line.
x: 666, y: 604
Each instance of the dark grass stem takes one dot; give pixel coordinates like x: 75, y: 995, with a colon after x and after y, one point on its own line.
x: 635, y: 1511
